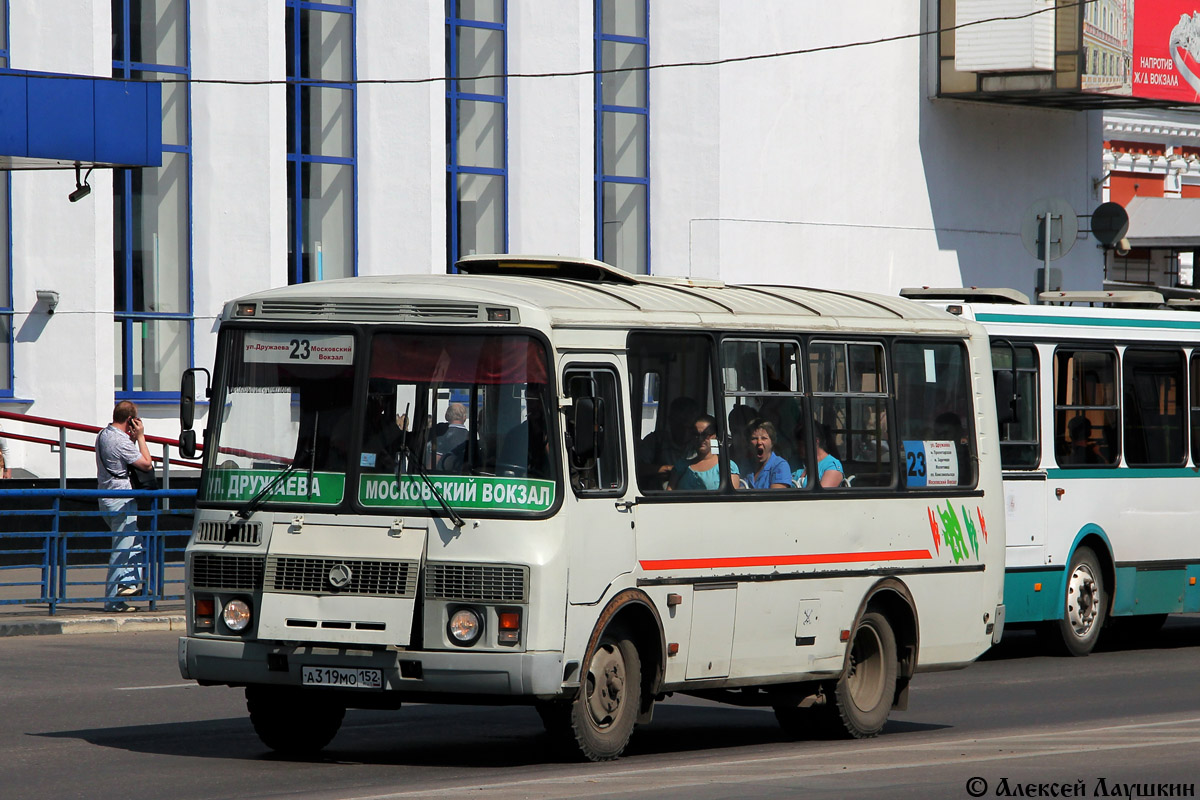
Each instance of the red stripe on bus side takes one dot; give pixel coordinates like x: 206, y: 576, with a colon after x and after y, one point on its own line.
x: 772, y: 561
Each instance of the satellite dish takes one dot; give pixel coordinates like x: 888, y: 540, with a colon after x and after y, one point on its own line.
x: 1110, y: 223
x: 1064, y: 227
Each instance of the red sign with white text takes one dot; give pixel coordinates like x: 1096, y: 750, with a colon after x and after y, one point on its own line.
x: 1166, y: 51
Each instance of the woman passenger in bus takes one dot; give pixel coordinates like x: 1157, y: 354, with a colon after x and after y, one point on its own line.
x: 829, y: 468
x: 766, y: 470
x: 703, y: 471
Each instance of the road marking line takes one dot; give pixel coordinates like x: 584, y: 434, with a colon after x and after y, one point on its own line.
x: 162, y: 686
x: 1021, y: 749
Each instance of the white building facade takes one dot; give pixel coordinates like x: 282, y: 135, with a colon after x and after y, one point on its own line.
x: 771, y: 142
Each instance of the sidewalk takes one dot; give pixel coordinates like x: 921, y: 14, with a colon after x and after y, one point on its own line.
x: 75, y: 616
x: 36, y: 620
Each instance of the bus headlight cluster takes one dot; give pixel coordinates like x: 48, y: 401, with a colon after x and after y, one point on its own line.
x: 236, y: 615
x: 465, y: 626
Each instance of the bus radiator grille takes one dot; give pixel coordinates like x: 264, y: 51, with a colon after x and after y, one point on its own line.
x: 246, y: 533
x: 309, y: 575
x: 482, y: 582
x: 220, y: 571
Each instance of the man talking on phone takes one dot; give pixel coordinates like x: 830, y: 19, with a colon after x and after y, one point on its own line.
x: 121, y: 447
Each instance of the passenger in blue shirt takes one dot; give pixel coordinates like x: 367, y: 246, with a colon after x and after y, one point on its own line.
x: 829, y: 469
x: 766, y: 470
x: 702, y: 472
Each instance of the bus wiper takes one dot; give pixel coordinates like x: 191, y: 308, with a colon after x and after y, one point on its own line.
x: 260, y: 497
x: 409, y: 456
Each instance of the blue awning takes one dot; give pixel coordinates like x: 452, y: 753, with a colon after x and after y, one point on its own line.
x: 56, y: 121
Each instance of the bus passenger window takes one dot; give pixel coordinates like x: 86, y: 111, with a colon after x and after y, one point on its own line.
x: 672, y: 375
x: 1154, y: 425
x: 1020, y: 443
x: 935, y: 410
x: 1085, y: 389
x: 849, y: 409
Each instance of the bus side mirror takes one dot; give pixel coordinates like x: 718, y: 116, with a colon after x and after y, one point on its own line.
x: 187, y: 400
x: 589, y: 433
x: 1006, y: 398
x: 187, y: 443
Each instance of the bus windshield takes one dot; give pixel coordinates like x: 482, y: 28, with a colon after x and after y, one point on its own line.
x: 462, y: 405
x: 441, y: 413
x: 286, y: 403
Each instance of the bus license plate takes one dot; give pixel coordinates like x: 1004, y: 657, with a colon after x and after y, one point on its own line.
x: 342, y: 678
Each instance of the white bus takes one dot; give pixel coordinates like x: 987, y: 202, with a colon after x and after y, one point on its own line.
x: 519, y: 484
x: 1097, y: 456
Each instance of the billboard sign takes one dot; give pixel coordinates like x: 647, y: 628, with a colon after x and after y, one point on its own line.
x: 1151, y: 52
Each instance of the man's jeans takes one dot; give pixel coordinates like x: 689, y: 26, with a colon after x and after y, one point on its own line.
x: 125, y: 563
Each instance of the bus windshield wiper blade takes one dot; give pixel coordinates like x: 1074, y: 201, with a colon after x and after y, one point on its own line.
x: 409, y: 456
x: 261, y: 495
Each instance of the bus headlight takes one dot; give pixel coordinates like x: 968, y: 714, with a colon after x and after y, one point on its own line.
x: 236, y: 615
x: 465, y: 626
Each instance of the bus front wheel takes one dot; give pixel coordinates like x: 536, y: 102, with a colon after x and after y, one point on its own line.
x: 290, y: 721
x: 1085, y: 607
x: 604, y: 711
x: 863, y: 695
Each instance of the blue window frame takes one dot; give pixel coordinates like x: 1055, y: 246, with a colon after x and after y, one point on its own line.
x: 322, y: 104
x: 476, y: 127
x: 6, y: 303
x: 622, y: 42
x: 152, y: 210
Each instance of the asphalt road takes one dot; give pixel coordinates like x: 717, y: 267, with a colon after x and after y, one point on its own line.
x: 107, y: 716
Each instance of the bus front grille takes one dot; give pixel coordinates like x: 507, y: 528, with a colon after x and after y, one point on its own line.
x: 491, y: 583
x: 245, y: 533
x: 221, y: 571
x: 313, y: 575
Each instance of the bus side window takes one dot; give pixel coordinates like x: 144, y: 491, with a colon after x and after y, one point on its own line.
x: 1085, y: 408
x: 679, y: 369
x: 1020, y: 443
x: 603, y: 471
x: 849, y: 386
x: 933, y: 403
x: 1154, y: 425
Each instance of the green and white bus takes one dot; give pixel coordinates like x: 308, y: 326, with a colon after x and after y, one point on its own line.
x: 470, y: 488
x: 1102, y: 390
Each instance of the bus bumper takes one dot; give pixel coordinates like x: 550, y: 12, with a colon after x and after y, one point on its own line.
x: 238, y: 663
x: 998, y: 624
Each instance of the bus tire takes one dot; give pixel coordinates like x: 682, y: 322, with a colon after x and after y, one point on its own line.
x: 866, y: 689
x: 1084, y: 609
x: 292, y: 722
x: 606, y: 707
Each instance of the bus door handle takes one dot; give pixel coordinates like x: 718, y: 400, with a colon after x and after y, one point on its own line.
x: 624, y: 505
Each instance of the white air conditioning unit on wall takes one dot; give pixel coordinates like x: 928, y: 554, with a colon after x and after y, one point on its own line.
x: 1004, y: 45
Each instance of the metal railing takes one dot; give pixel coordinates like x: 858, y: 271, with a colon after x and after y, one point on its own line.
x: 55, y: 543
x: 58, y: 554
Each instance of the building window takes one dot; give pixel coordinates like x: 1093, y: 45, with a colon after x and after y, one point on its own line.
x: 623, y: 134
x: 322, y: 178
x: 476, y: 127
x: 152, y: 248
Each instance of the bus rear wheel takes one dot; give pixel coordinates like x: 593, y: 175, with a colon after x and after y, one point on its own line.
x: 1085, y: 607
x: 866, y: 689
x: 292, y: 722
x: 609, y: 699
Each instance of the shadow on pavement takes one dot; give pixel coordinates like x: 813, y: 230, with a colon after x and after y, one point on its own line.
x: 438, y: 736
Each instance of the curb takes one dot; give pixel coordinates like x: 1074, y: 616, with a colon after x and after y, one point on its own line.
x: 101, y: 624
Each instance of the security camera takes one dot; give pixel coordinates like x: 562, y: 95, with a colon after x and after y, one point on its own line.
x: 1122, y: 247
x: 79, y: 193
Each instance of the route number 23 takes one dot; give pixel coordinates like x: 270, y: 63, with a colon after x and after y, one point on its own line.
x: 300, y: 349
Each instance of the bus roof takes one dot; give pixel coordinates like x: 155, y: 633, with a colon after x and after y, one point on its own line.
x: 579, y: 292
